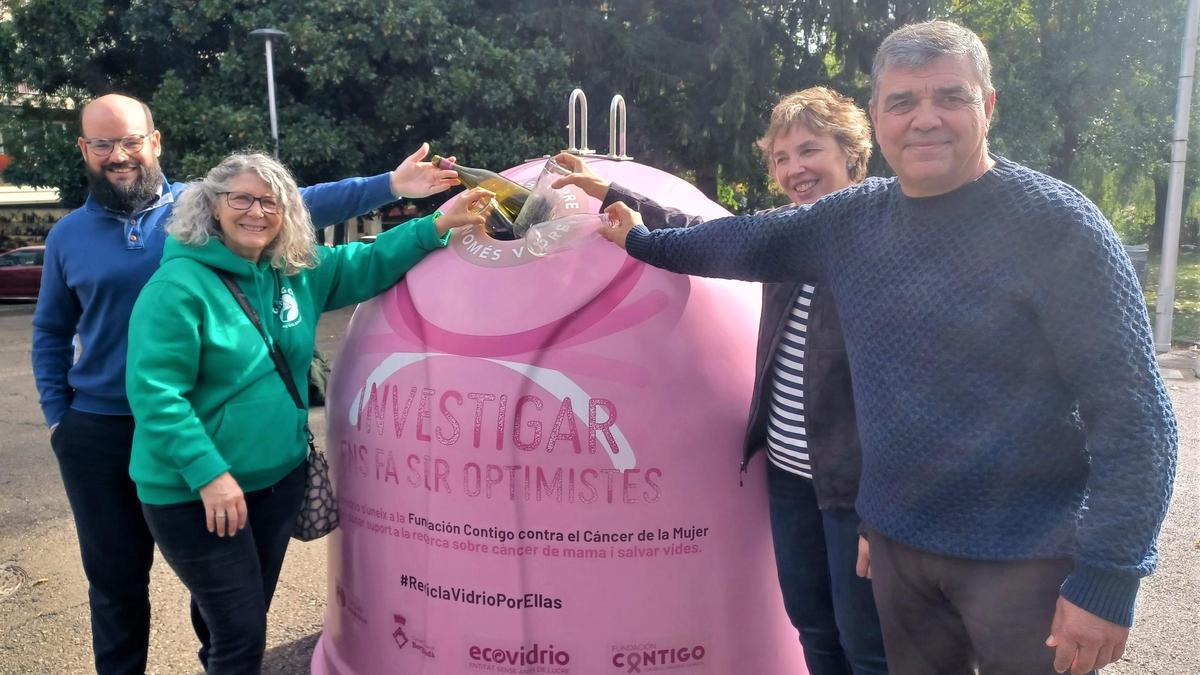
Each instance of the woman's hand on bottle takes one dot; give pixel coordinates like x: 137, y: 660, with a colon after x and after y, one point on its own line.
x: 224, y: 505
x: 621, y: 219
x: 415, y: 178
x: 581, y: 176
x: 469, y: 208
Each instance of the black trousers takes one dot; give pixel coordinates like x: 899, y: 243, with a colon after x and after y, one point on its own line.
x: 114, y: 542
x: 954, y: 616
x: 231, y: 579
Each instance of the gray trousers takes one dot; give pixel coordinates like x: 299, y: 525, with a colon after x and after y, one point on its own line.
x: 956, y: 616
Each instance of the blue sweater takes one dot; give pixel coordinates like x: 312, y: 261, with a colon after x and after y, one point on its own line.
x: 1004, y: 376
x: 91, y: 277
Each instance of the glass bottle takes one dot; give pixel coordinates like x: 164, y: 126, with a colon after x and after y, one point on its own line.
x: 544, y: 203
x: 509, y: 195
x: 498, y: 225
x: 563, y: 234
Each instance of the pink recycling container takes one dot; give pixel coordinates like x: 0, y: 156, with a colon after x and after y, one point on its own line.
x: 537, y: 459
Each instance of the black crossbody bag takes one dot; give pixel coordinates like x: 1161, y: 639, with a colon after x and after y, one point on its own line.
x: 318, y: 512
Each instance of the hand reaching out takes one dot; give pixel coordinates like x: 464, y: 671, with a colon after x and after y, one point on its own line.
x: 581, y: 176
x: 415, y: 178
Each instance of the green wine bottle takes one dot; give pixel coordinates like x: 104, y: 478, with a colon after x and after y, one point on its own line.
x: 498, y: 225
x: 509, y: 195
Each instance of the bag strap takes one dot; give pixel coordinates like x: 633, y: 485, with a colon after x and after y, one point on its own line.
x: 281, y: 365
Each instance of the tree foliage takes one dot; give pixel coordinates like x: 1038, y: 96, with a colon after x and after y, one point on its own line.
x: 1086, y: 91
x: 701, y: 77
x: 1065, y: 69
x: 1086, y: 87
x: 359, y: 83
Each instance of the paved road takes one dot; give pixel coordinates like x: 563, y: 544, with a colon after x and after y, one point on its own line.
x: 44, y: 623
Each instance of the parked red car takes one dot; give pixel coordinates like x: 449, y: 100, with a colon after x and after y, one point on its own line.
x: 21, y: 273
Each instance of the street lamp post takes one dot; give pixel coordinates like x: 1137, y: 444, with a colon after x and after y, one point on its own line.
x: 1165, y: 311
x: 268, y: 34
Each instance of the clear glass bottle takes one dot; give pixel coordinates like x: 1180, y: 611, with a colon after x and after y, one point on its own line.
x: 564, y: 233
x: 544, y: 203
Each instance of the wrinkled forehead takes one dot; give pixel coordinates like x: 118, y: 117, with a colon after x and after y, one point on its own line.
x: 942, y: 74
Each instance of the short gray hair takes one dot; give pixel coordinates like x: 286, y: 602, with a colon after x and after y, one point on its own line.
x: 919, y: 44
x: 194, y: 219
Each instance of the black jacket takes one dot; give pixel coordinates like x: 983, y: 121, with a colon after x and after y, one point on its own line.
x: 833, y: 445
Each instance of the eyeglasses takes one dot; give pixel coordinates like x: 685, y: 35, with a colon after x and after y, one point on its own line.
x: 103, y: 147
x: 242, y: 202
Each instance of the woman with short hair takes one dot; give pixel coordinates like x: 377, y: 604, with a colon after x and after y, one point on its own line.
x: 802, y: 413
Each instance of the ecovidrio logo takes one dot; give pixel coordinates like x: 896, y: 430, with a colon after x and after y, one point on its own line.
x: 525, y: 658
x: 649, y: 657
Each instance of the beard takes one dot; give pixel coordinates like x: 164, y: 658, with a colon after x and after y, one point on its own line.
x: 125, y: 198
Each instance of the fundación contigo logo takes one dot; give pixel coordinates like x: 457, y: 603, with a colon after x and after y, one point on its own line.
x: 648, y: 657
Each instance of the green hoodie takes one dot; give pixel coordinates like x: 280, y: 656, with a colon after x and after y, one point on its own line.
x: 205, y: 395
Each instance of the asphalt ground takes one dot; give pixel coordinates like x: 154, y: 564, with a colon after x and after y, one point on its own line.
x: 44, y: 626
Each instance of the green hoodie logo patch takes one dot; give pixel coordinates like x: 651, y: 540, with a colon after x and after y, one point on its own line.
x: 289, y: 309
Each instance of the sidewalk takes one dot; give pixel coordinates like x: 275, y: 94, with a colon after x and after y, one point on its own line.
x: 1180, y: 363
x: 44, y: 625
x: 43, y: 609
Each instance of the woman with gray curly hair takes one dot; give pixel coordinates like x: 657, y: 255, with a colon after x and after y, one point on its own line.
x: 219, y: 446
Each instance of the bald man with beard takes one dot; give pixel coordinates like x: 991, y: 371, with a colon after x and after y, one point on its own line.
x: 98, y: 258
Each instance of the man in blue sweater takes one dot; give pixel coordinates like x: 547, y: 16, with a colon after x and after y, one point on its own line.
x: 98, y: 258
x: 1018, y: 443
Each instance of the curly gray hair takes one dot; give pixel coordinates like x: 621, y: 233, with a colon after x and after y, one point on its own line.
x: 194, y: 220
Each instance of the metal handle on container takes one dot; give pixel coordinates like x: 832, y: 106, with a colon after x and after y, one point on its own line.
x: 616, y: 129
x: 582, y: 148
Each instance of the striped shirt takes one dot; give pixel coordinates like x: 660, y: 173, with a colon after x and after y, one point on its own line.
x: 787, y: 441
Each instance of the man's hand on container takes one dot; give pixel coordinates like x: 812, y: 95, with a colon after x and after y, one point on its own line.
x: 621, y: 219
x: 581, y: 176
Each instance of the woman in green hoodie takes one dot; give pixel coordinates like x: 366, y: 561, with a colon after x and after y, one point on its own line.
x: 219, y: 445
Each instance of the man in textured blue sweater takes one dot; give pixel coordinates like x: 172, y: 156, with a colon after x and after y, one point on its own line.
x: 98, y: 258
x: 1018, y: 443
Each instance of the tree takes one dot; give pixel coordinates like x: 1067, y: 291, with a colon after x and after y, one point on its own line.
x: 1064, y: 67
x: 1086, y: 93
x: 359, y: 83
x: 696, y: 76
x: 41, y: 133
x: 702, y: 77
